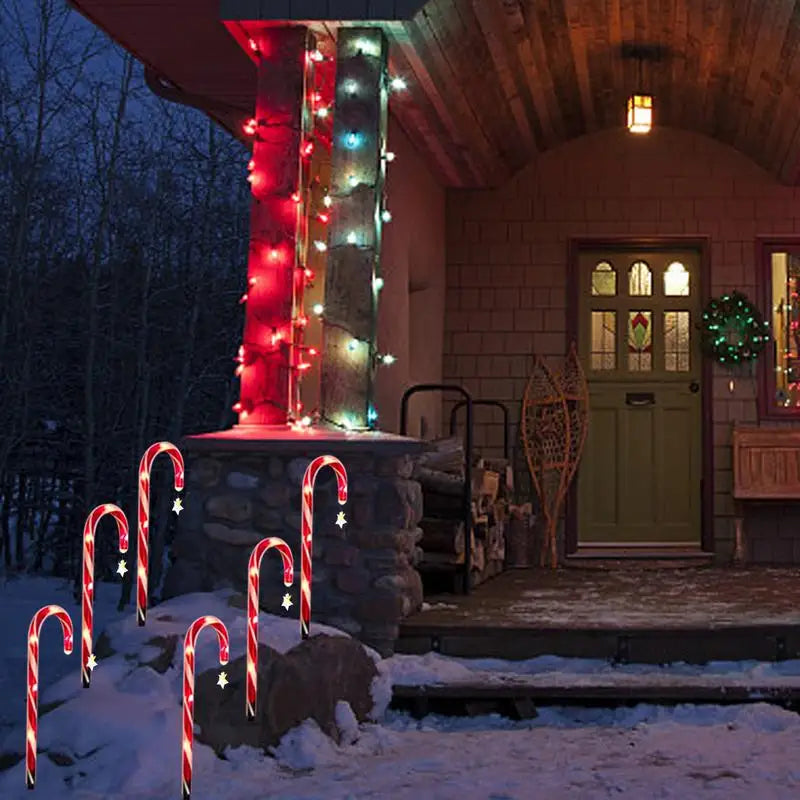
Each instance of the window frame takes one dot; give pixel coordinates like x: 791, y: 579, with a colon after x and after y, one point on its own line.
x: 765, y: 247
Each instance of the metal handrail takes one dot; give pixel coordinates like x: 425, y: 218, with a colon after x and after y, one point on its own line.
x: 497, y: 404
x: 450, y: 387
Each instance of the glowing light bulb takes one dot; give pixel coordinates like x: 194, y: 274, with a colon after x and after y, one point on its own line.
x: 253, y: 45
x: 296, y: 197
x: 327, y: 201
x: 389, y: 156
x: 305, y: 421
x: 323, y: 218
x: 378, y: 283
x: 323, y: 112
x: 386, y: 215
x: 316, y: 55
x: 352, y: 140
x: 320, y: 245
x: 352, y: 180
x: 352, y: 238
x: 318, y: 309
x: 388, y: 359
x: 351, y: 87
x: 398, y: 84
x: 352, y: 345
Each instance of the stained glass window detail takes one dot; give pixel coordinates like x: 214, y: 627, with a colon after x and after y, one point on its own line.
x: 676, y: 341
x: 640, y: 341
x: 604, y: 340
x: 676, y: 280
x: 604, y: 280
x: 640, y: 280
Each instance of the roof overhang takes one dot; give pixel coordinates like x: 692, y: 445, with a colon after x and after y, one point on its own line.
x: 493, y: 82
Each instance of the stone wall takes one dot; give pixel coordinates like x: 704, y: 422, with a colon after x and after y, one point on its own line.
x: 363, y: 581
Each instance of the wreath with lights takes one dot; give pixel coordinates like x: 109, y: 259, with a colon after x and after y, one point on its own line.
x: 733, y: 330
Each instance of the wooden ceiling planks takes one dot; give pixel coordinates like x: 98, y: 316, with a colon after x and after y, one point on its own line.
x: 509, y: 70
x: 493, y: 82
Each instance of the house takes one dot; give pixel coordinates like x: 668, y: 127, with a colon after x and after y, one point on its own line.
x: 502, y: 207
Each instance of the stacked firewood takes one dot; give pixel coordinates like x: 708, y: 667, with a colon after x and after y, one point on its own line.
x: 441, y: 474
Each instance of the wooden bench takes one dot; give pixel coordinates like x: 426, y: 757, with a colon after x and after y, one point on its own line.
x: 766, y: 466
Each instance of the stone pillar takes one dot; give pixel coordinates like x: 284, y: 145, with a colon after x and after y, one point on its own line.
x: 364, y: 576
x: 354, y: 236
x: 278, y: 130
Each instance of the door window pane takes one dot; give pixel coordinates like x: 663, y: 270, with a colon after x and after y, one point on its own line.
x: 676, y: 280
x: 640, y: 341
x: 604, y: 340
x: 676, y: 341
x: 640, y: 280
x: 604, y: 280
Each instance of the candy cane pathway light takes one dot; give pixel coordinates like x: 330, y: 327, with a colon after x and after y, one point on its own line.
x: 189, y: 646
x: 253, y: 570
x: 87, y: 581
x: 143, y: 527
x: 32, y: 702
x: 309, y: 479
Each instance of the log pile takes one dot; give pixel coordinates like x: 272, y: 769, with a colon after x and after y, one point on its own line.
x: 441, y: 474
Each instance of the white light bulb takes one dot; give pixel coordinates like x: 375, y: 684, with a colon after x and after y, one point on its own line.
x: 378, y: 283
x: 305, y: 421
x: 386, y: 215
x: 352, y: 238
x: 352, y: 180
x: 320, y: 245
x: 389, y: 156
x: 398, y: 84
x: 318, y: 309
x: 352, y: 345
x: 327, y: 201
x: 389, y: 359
x: 322, y: 112
x: 350, y: 86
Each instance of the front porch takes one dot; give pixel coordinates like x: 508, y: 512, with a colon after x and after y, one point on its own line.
x: 623, y: 614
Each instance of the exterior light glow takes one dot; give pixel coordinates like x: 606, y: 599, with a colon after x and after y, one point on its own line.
x: 318, y: 309
x: 640, y: 113
x: 398, y: 84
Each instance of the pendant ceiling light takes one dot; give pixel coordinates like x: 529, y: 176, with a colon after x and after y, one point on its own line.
x: 640, y: 107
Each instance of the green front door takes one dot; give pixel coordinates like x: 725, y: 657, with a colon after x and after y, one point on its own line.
x: 639, y: 481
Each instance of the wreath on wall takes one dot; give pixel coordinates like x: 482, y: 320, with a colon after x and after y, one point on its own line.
x: 733, y: 330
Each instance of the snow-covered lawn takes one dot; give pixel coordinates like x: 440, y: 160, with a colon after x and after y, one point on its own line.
x: 123, y: 734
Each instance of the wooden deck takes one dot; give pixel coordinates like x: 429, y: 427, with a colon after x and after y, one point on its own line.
x: 635, y: 613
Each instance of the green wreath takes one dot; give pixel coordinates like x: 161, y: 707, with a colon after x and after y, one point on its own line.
x: 733, y: 330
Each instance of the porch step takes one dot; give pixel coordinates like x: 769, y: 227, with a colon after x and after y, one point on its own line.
x: 657, y: 645
x: 638, y: 557
x: 518, y: 699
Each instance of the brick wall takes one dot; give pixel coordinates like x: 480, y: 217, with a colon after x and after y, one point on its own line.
x: 507, y: 270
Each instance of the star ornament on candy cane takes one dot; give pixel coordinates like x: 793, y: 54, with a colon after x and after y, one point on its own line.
x: 286, y: 602
x: 340, y: 520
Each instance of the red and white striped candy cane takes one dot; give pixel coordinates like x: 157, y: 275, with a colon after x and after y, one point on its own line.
x: 189, y: 644
x: 306, y: 532
x: 142, y: 557
x: 32, y: 712
x: 87, y: 599
x: 253, y: 572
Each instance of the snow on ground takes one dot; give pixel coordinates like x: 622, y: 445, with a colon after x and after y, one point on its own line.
x: 556, y: 671
x: 123, y: 734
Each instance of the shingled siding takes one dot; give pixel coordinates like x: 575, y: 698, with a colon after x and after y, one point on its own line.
x: 507, y: 272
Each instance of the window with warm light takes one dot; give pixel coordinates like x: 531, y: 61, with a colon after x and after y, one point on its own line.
x: 779, y: 394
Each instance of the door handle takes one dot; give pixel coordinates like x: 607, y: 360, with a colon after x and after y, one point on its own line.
x: 640, y: 399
